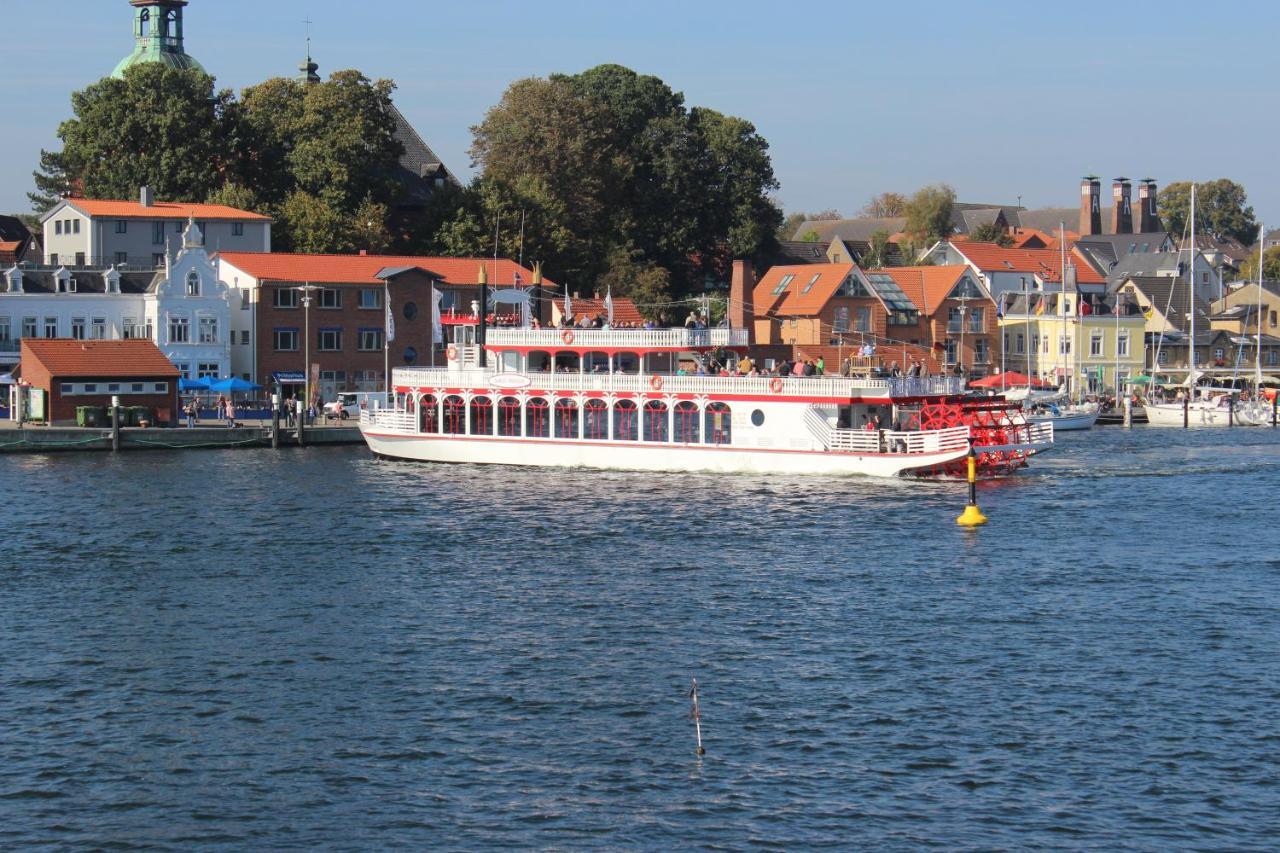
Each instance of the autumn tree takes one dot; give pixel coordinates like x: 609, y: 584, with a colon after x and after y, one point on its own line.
x: 877, y: 254
x: 1222, y: 209
x: 989, y: 232
x: 886, y: 205
x: 1270, y: 266
x: 928, y: 215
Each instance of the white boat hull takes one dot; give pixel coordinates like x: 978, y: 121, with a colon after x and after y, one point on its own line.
x: 1072, y: 421
x: 1206, y: 415
x: 639, y: 456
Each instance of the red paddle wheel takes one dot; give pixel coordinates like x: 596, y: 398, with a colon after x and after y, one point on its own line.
x: 991, y: 425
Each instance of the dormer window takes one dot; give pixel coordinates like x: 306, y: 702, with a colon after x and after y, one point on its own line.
x: 193, y: 283
x: 113, y: 282
x: 15, y: 280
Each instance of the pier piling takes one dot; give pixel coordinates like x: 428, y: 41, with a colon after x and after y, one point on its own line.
x: 275, y: 421
x: 115, y: 424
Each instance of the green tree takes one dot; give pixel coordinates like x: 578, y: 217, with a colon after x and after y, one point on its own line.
x: 1222, y: 209
x: 313, y: 223
x: 929, y: 214
x: 989, y: 232
x: 1270, y: 266
x: 159, y: 127
x: 643, y: 282
x: 886, y: 205
x: 877, y: 255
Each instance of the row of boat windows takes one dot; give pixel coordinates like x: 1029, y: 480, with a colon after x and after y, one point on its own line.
x: 594, y: 420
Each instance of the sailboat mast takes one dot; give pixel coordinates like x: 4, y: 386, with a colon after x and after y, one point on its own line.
x: 1257, y: 350
x: 1191, y: 302
x: 1062, y: 344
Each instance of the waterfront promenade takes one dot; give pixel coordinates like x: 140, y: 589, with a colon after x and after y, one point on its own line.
x: 30, y: 438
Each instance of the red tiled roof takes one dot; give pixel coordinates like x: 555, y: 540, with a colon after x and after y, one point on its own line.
x: 624, y: 310
x: 67, y: 357
x: 161, y: 210
x: 927, y: 287
x: 9, y: 251
x: 811, y: 286
x: 1045, y: 263
x: 361, y: 269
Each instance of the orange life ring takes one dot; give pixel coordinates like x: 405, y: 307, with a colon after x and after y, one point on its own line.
x: 567, y: 336
x: 776, y: 385
x: 655, y: 382
x: 451, y: 353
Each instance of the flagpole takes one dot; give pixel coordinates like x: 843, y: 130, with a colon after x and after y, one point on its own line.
x: 386, y: 344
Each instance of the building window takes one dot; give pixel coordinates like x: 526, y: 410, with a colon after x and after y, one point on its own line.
x: 53, y: 259
x: 244, y: 337
x: 122, y: 258
x: 4, y: 330
x: 193, y: 283
x: 130, y: 328
x: 1095, y: 344
x: 160, y: 387
x: 284, y: 297
x: 75, y: 226
x: 179, y: 330
x: 1273, y: 357
x: 1219, y: 354
x: 208, y: 330
x: 812, y: 282
x: 122, y: 226
x: 370, y: 297
x: 237, y: 229
x: 950, y: 349
x: 330, y: 297
x: 980, y: 352
x: 113, y: 283
x: 1122, y: 345
x: 782, y: 285
x: 50, y: 327
x: 841, y: 321
x: 329, y: 340
x: 1162, y: 357
x: 29, y: 327
x: 370, y: 340
x: 177, y: 227
x: 1019, y: 343
x: 1064, y: 345
x: 1044, y: 345
x: 78, y: 328
x: 863, y: 320
x: 157, y: 260
x: 206, y: 370
x: 57, y: 226
x: 157, y: 233
x: 284, y: 340
x: 204, y: 231
x: 1273, y: 319
x: 976, y: 317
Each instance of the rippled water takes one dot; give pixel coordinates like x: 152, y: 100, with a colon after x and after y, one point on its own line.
x: 313, y: 648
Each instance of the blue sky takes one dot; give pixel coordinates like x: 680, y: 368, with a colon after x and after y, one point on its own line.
x: 998, y: 99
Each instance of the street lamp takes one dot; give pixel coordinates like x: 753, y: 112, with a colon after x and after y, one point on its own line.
x: 306, y: 290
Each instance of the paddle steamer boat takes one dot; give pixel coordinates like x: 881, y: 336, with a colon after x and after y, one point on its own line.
x: 626, y: 399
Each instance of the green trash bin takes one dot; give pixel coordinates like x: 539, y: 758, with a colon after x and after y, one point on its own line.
x: 138, y: 414
x: 86, y: 416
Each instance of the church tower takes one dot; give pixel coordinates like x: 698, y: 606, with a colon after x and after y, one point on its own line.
x: 157, y: 36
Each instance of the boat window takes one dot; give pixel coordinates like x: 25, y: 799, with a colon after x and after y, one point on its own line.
x: 510, y: 362
x: 567, y: 362
x: 596, y: 362
x: 566, y: 418
x: 626, y: 362
x: 686, y: 422
x: 595, y: 420
x: 481, y: 416
x: 539, y: 361
x: 509, y: 416
x: 428, y: 416
x: 455, y: 419
x: 537, y: 423
x: 718, y: 423
x: 655, y: 421
x: 625, y: 426
x: 757, y: 418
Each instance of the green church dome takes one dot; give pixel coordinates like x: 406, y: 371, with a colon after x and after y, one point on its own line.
x: 157, y: 36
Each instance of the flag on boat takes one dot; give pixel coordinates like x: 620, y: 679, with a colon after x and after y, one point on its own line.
x: 437, y: 333
x: 568, y: 311
x: 608, y: 305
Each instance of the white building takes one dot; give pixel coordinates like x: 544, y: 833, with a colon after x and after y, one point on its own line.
x: 182, y: 307
x: 141, y: 234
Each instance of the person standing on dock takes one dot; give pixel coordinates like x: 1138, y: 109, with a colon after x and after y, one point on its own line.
x: 230, y: 411
x: 190, y: 411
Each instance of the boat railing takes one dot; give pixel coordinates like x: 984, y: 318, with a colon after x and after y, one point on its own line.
x: 389, y: 419
x: 783, y: 387
x: 559, y: 339
x: 895, y: 441
x: 1040, y: 433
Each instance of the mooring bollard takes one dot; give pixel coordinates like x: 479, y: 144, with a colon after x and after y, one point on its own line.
x: 302, y: 422
x: 275, y: 421
x: 115, y: 424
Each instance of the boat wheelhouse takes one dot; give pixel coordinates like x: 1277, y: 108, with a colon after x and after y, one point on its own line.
x: 643, y: 400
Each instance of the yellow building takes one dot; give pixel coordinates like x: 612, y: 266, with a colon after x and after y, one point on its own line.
x: 1053, y: 342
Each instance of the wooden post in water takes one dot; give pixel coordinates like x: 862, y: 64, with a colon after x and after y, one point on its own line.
x: 115, y: 424
x: 1231, y: 410
x: 302, y: 422
x: 275, y: 421
x: 1275, y: 402
x: 1186, y: 411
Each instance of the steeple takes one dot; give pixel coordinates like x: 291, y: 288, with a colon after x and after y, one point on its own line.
x: 157, y: 36
x: 308, y: 68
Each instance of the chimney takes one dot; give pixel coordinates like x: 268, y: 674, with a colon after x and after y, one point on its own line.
x: 1121, y: 213
x: 146, y: 198
x: 1090, y: 212
x: 741, y: 286
x: 1148, y: 217
x: 364, y: 253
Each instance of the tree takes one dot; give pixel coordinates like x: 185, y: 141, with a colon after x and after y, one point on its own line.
x: 792, y: 222
x: 886, y: 205
x: 643, y: 282
x: 158, y: 127
x: 1270, y: 266
x: 929, y: 214
x: 1221, y: 209
x: 877, y: 255
x: 989, y: 232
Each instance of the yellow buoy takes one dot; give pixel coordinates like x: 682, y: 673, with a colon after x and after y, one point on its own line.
x: 972, y: 516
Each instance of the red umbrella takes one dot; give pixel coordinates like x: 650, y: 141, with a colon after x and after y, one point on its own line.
x: 1008, y: 379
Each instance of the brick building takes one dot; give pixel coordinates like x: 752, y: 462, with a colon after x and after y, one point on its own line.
x: 71, y: 373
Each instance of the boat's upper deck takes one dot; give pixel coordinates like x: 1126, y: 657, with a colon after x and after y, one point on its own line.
x: 606, y: 340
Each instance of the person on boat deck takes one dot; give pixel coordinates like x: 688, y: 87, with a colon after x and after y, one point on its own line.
x: 744, y: 365
x: 821, y: 367
x: 809, y: 369
x: 893, y: 369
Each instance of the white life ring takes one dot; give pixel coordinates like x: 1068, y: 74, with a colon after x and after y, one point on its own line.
x: 776, y: 385
x: 451, y: 353
x: 655, y: 382
x: 567, y: 336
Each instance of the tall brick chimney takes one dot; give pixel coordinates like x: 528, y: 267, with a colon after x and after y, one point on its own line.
x: 1121, y: 212
x: 1090, y: 212
x: 1148, y: 216
x: 741, y: 288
